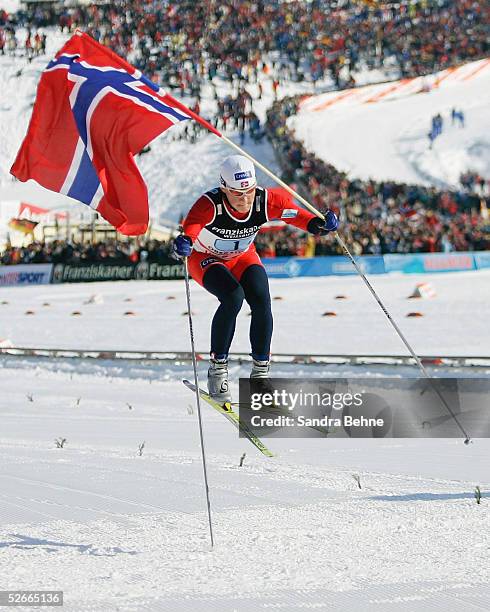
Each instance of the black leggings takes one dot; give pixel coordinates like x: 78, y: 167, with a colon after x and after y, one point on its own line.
x: 254, y: 288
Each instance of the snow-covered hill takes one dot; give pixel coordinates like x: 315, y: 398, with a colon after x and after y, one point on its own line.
x: 381, y: 131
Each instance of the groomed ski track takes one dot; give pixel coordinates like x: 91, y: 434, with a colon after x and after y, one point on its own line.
x: 119, y: 531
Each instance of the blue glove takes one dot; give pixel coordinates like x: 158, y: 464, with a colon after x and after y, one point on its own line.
x: 331, y: 221
x: 182, y: 246
x: 320, y: 227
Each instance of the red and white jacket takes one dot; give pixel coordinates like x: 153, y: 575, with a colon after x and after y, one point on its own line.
x: 216, y: 228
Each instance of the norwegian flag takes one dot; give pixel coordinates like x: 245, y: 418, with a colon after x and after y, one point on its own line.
x: 93, y: 113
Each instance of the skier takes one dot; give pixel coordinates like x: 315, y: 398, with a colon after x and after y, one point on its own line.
x: 218, y: 238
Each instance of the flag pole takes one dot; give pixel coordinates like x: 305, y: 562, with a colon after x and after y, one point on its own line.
x: 345, y: 250
x: 230, y: 143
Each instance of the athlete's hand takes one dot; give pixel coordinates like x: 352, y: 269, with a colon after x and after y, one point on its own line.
x: 320, y: 227
x: 182, y: 247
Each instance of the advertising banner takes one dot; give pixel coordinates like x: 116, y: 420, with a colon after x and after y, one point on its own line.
x: 429, y: 262
x: 276, y: 267
x: 96, y: 272
x: 25, y: 274
x: 482, y: 260
x: 289, y: 267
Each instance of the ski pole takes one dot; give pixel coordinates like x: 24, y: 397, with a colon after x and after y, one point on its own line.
x: 362, y: 275
x: 402, y: 337
x: 198, y: 399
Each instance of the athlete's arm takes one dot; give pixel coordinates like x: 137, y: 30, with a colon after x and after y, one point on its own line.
x: 280, y: 206
x: 200, y: 214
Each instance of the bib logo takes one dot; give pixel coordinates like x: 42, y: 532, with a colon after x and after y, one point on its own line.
x: 207, y: 261
x: 289, y: 213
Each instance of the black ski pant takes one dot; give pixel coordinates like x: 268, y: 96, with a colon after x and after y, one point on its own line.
x: 254, y: 288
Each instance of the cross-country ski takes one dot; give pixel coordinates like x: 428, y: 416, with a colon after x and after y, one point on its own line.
x: 227, y: 411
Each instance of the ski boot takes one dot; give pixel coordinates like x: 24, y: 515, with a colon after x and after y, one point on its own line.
x: 218, y: 380
x: 259, y: 377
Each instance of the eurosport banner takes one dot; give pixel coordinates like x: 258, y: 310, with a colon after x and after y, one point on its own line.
x: 429, y: 262
x: 96, y: 272
x: 289, y: 267
x: 367, y: 408
x: 25, y: 274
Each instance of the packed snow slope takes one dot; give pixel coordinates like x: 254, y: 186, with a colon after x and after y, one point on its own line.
x: 116, y: 530
x: 381, y: 131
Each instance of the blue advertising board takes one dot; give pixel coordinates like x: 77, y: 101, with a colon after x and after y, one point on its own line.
x: 410, y: 263
x: 429, y: 262
x: 276, y: 267
x: 482, y: 260
x: 25, y: 274
x: 289, y: 267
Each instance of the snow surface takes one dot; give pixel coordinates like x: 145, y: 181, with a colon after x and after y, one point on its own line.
x: 455, y: 322
x: 380, y: 131
x: 10, y: 6
x: 119, y: 531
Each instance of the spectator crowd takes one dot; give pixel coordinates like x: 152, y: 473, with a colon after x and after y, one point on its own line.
x: 380, y: 216
x: 73, y: 252
x: 184, y: 44
x: 181, y: 42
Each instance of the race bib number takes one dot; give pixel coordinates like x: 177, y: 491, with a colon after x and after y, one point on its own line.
x: 230, y: 245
